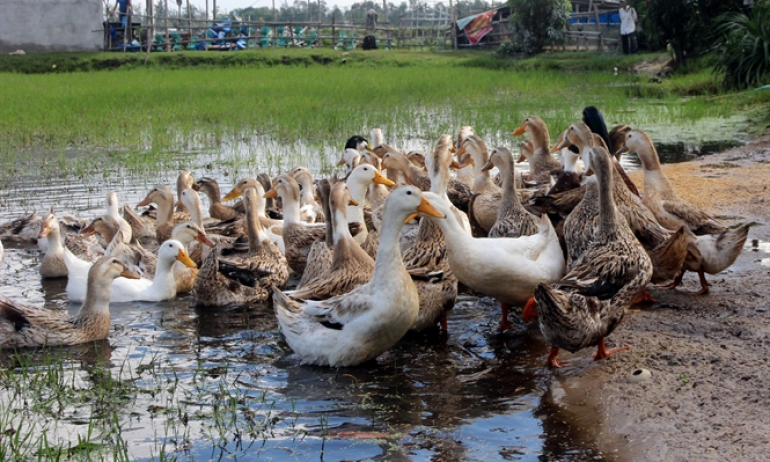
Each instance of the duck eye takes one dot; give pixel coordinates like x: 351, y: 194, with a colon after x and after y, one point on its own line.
x: 409, y: 193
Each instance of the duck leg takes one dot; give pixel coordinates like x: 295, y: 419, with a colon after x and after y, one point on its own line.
x: 677, y: 281
x: 704, y: 285
x: 504, y: 324
x: 552, y: 361
x: 529, y: 313
x: 442, y: 323
x: 602, y: 352
x: 644, y: 297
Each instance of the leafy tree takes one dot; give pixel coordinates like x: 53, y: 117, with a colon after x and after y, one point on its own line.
x: 744, y: 47
x: 536, y: 22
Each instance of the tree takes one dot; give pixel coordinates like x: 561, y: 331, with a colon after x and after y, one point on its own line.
x: 536, y: 22
x: 744, y: 47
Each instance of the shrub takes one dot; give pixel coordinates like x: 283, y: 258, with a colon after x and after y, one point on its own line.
x: 535, y: 23
x: 744, y: 47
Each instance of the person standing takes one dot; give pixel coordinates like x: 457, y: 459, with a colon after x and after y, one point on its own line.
x: 122, y: 6
x: 627, y: 27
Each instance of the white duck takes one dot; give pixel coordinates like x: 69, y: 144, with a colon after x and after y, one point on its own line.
x: 507, y: 269
x: 359, y: 181
x: 350, y: 329
x: 163, y: 287
x: 112, y: 210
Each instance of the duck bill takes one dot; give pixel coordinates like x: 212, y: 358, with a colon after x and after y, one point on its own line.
x: 203, y: 239
x: 522, y: 158
x: 129, y: 274
x: 341, y: 162
x: 147, y: 201
x: 563, y: 143
x: 455, y: 166
x: 622, y: 149
x: 179, y: 204
x: 185, y: 259
x: 44, y: 230
x: 428, y: 209
x: 411, y: 217
x: 464, y: 160
x: 234, y: 194
x: 519, y: 131
x: 353, y: 203
x: 379, y: 178
x: 271, y: 193
x: 195, y: 187
x: 369, y: 147
x: 488, y: 166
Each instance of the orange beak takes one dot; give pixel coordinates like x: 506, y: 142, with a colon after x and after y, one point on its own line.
x: 185, y: 259
x: 519, y: 131
x: 379, y: 178
x: 203, y: 239
x: 88, y: 230
x: 128, y: 274
x: 44, y: 230
x: 234, y: 194
x: 147, y: 201
x: 622, y: 149
x: 353, y: 203
x: 271, y: 193
x: 487, y: 167
x: 427, y: 208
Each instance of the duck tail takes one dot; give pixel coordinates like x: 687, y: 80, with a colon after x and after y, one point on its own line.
x: 668, y: 258
x: 730, y: 243
x: 288, y: 316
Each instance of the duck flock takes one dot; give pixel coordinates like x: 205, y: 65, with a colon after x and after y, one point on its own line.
x: 571, y: 242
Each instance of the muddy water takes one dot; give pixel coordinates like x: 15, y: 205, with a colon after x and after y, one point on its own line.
x: 210, y: 385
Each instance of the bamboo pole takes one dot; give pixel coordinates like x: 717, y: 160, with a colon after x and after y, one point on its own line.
x: 207, y: 10
x: 189, y: 21
x: 150, y: 30
x: 454, y: 28
x: 214, y: 11
x: 168, y: 45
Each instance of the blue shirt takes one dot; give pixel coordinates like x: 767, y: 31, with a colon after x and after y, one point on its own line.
x: 123, y: 5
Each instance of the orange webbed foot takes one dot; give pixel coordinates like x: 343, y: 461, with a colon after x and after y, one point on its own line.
x: 644, y: 297
x: 602, y: 352
x: 552, y: 361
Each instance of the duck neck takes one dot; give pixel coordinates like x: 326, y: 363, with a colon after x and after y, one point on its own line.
x: 570, y: 162
x: 454, y: 234
x: 607, y: 211
x: 112, y: 206
x: 439, y: 181
x: 341, y: 230
x: 165, y: 211
x: 97, y: 302
x: 389, y: 258
x: 212, y: 190
x: 54, y: 240
x: 291, y: 213
x: 510, y: 200
x: 540, y: 138
x: 253, y: 227
x: 654, y: 179
x: 306, y: 185
x: 481, y: 179
x: 163, y: 273
x: 355, y: 213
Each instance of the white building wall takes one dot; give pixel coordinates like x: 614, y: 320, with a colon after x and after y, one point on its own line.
x: 51, y: 25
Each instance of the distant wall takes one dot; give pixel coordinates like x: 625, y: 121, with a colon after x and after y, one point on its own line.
x: 50, y: 25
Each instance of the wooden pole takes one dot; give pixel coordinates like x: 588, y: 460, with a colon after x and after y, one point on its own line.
x: 454, y: 28
x: 150, y: 30
x: 207, y: 10
x: 214, y: 11
x: 168, y: 44
x: 275, y: 13
x: 189, y: 21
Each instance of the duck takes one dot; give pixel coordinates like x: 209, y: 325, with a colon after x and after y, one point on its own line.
x: 113, y: 209
x: 485, y: 201
x: 512, y: 220
x: 311, y: 211
x: 465, y: 174
x: 217, y: 209
x: 595, y: 121
x: 272, y: 227
x: 271, y: 209
x: 22, y: 230
x: 165, y: 218
x: 358, y: 326
x: 590, y: 301
x: 350, y: 265
x: 161, y: 287
x: 507, y: 269
x: 426, y: 260
x: 30, y: 326
x: 186, y: 233
x: 118, y: 243
x: 298, y: 236
x: 58, y: 261
x: 571, y: 175
x: 541, y: 163
x: 717, y: 245
x: 246, y: 277
x: 359, y: 183
x: 185, y: 180
x: 319, y: 258
x: 376, y: 193
x: 618, y: 139
x: 350, y: 159
x: 668, y: 250
x: 358, y: 143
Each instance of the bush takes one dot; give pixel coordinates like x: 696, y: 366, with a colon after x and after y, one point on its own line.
x: 535, y: 23
x: 744, y: 47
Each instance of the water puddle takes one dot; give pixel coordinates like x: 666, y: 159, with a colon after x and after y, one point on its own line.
x: 762, y: 248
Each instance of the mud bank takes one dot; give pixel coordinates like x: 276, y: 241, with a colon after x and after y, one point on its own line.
x: 708, y: 397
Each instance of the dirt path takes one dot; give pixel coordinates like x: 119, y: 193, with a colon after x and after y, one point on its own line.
x: 709, y: 395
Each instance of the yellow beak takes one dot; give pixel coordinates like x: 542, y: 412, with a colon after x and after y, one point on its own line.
x: 44, y: 230
x: 234, y: 194
x: 379, y: 178
x: 185, y: 259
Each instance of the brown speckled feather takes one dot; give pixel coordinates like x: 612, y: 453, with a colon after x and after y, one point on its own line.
x: 298, y: 238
